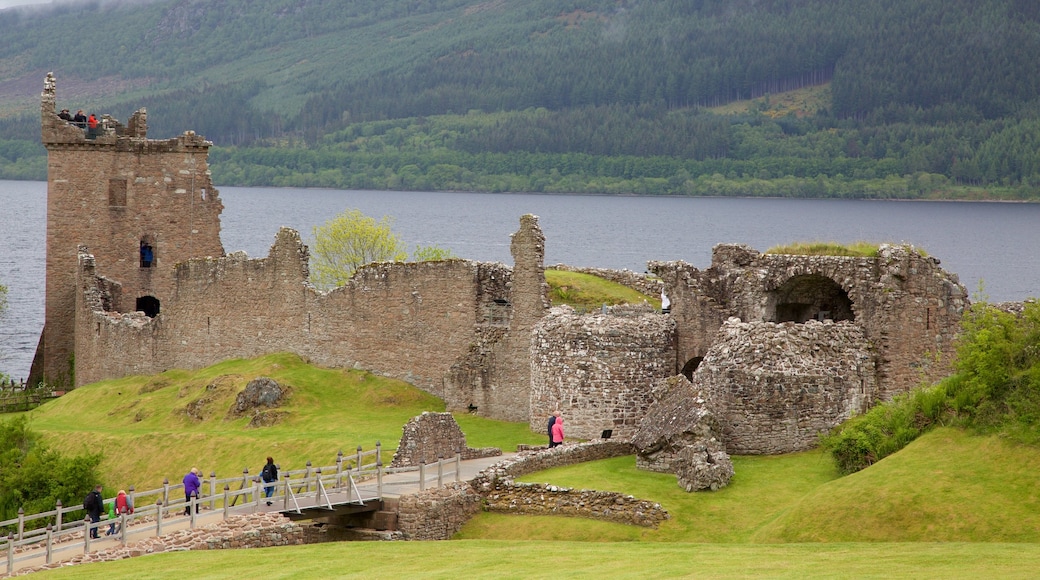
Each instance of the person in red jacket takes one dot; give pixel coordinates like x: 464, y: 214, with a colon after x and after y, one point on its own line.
x: 92, y: 126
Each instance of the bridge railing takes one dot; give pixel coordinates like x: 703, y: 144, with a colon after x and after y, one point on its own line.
x: 166, y: 506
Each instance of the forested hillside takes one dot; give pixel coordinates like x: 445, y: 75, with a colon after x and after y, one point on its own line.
x: 931, y: 98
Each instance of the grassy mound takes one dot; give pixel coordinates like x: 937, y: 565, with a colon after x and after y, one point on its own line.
x: 150, y: 428
x: 586, y: 292
x: 855, y: 249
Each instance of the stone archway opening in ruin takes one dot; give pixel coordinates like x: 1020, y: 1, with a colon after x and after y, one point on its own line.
x: 691, y: 366
x: 810, y: 297
x: 149, y: 305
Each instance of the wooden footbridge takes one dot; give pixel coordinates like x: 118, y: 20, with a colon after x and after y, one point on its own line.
x: 357, y: 484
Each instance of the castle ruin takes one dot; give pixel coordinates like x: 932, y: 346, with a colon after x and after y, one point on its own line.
x: 783, y: 346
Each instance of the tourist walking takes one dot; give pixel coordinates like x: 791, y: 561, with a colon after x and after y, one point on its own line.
x: 270, y: 475
x: 192, y: 484
x: 110, y: 507
x: 552, y: 421
x: 93, y: 504
x: 557, y: 433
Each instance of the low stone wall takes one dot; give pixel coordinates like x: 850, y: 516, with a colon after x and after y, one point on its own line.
x: 260, y: 530
x: 531, y: 461
x: 502, y: 494
x: 438, y: 513
x: 543, y: 499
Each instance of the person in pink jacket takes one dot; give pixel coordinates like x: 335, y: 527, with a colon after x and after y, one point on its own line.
x: 557, y: 432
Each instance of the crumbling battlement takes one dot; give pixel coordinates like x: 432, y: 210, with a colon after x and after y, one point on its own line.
x: 411, y: 321
x: 139, y: 205
x: 908, y: 307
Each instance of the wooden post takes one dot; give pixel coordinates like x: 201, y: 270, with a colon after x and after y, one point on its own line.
x: 50, y: 543
x: 165, y: 492
x: 122, y: 529
x: 227, y: 506
x: 357, y: 463
x: 306, y: 480
x: 21, y: 522
x: 339, y: 469
x: 285, y: 491
x: 422, y: 474
x: 10, y: 554
x: 379, y: 452
x: 440, y: 471
x: 317, y: 486
x: 379, y: 477
x: 131, y: 497
x: 86, y: 535
x: 57, y: 516
x: 213, y: 490
x: 257, y: 494
x: 245, y: 483
x: 158, y: 518
x: 458, y: 466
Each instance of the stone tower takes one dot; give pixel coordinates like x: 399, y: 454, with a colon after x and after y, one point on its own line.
x: 139, y: 205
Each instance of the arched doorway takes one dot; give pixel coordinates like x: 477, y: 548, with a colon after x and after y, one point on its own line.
x: 691, y: 367
x: 149, y: 305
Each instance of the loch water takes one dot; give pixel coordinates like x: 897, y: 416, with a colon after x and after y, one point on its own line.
x: 992, y: 245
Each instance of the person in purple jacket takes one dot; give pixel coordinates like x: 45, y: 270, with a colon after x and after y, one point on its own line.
x: 192, y: 484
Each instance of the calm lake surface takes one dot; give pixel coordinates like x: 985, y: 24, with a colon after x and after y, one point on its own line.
x: 995, y: 243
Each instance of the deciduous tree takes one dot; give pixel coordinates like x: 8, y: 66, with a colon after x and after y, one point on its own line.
x: 349, y: 241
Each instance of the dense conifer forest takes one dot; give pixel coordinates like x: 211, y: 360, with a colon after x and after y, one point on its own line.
x: 810, y: 98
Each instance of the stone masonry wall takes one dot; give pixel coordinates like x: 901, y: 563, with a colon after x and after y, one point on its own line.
x: 433, y: 436
x: 598, y: 369
x: 502, y: 494
x: 111, y: 193
x: 260, y: 530
x: 907, y: 305
x: 438, y: 513
x: 775, y: 387
x: 411, y: 321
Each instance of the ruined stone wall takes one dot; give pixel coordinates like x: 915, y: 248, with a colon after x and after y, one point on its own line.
x: 433, y: 436
x: 598, y: 369
x: 111, y: 193
x: 907, y: 305
x: 775, y: 387
x: 438, y: 513
x: 417, y: 322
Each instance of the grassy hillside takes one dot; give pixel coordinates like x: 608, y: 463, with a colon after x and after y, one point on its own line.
x: 948, y: 505
x: 150, y: 428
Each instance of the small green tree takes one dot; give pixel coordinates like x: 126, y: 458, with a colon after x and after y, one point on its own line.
x: 349, y: 241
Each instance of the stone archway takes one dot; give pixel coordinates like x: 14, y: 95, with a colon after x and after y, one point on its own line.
x: 810, y: 297
x: 691, y: 367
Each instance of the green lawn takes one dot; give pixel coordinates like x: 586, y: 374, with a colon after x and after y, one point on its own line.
x: 950, y: 505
